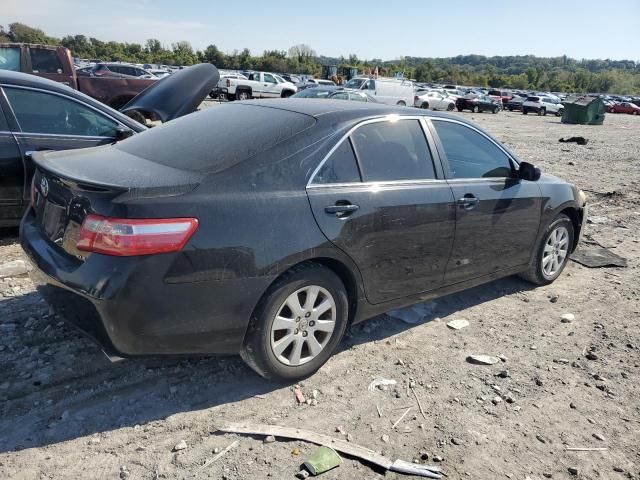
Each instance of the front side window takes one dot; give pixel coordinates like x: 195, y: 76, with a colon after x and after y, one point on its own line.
x: 44, y: 113
x: 393, y: 151
x: 10, y: 58
x: 470, y: 154
x: 45, y: 61
x: 340, y: 167
x: 268, y: 78
x: 340, y: 96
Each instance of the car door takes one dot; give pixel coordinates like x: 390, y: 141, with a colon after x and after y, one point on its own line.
x: 12, y: 177
x: 52, y: 121
x: 380, y: 197
x: 497, y: 214
x: 271, y: 88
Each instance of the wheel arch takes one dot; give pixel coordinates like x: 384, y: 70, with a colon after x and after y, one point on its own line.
x: 574, y: 215
x: 344, y: 272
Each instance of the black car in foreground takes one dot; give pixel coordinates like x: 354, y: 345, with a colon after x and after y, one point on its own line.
x: 478, y: 103
x: 189, y: 239
x: 38, y: 114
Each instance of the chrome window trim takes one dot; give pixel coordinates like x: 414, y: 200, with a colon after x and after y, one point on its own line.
x: 59, y: 135
x: 386, y: 118
x: 500, y: 147
x: 367, y: 185
x: 35, y: 89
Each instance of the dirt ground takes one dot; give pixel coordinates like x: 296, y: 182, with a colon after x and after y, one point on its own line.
x: 67, y: 413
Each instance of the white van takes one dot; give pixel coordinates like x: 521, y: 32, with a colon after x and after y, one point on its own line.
x: 386, y: 90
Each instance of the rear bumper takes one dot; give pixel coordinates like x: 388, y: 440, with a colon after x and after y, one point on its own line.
x: 125, y: 305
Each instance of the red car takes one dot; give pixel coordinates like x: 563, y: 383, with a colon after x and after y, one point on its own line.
x: 500, y: 95
x: 625, y: 107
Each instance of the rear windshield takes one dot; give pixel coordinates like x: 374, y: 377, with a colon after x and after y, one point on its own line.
x: 313, y: 93
x: 217, y: 138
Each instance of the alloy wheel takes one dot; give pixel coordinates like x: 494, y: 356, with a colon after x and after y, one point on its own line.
x: 303, y: 325
x: 555, y: 251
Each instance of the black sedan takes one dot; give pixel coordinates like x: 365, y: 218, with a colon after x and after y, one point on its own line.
x: 478, y: 103
x: 290, y: 220
x: 39, y: 114
x: 515, y: 103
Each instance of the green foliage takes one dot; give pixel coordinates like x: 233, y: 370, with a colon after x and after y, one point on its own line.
x: 520, y: 71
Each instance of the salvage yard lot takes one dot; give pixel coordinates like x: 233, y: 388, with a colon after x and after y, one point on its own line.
x: 66, y: 412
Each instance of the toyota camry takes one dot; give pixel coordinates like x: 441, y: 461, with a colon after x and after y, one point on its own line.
x: 266, y: 228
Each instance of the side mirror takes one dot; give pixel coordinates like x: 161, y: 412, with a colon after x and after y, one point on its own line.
x: 122, y: 133
x: 529, y: 172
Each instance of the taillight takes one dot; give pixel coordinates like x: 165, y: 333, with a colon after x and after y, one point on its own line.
x: 130, y: 237
x: 33, y: 191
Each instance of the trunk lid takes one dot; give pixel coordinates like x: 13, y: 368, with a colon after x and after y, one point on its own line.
x: 70, y: 185
x: 177, y: 94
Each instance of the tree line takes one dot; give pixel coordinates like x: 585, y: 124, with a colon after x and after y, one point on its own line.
x: 520, y: 72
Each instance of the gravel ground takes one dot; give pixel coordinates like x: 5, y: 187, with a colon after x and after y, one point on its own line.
x: 66, y: 412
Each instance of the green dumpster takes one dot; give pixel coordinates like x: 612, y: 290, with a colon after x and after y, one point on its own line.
x: 583, y: 110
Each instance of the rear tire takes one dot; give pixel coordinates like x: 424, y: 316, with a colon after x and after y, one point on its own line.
x: 425, y: 105
x: 450, y: 107
x: 243, y: 95
x: 495, y: 110
x: 559, y: 112
x: 475, y: 109
x: 539, y: 271
x: 306, y: 346
x: 401, y: 104
x: 460, y: 109
x: 542, y: 111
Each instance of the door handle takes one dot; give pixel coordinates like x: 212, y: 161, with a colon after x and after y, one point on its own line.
x: 341, y: 209
x: 468, y: 202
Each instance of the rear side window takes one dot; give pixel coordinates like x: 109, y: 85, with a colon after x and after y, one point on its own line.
x: 10, y: 59
x: 340, y: 167
x: 44, y: 113
x: 470, y: 154
x: 393, y: 151
x: 45, y: 61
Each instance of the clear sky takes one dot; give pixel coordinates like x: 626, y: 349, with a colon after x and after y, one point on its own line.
x: 370, y: 29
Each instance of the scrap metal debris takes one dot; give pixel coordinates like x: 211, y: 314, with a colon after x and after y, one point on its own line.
x: 482, y: 359
x: 223, y: 452
x: 458, y: 324
x: 381, y: 382
x: 401, y: 417
x: 347, y: 448
x: 598, y: 258
x: 299, y: 395
x: 578, y: 140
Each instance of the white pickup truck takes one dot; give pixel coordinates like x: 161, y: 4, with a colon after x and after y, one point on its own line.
x: 258, y: 85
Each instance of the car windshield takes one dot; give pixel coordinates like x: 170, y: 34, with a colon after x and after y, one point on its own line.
x: 10, y: 58
x: 533, y: 99
x: 495, y: 93
x: 355, y: 83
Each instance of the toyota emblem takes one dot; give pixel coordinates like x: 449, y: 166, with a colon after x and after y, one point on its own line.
x: 44, y: 187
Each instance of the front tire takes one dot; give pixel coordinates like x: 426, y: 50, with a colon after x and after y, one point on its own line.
x: 401, y: 104
x: 495, y: 110
x: 298, y: 324
x: 425, y: 105
x: 450, y: 107
x: 552, y: 252
x: 475, y: 109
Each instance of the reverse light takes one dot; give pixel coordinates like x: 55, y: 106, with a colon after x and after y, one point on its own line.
x: 125, y: 237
